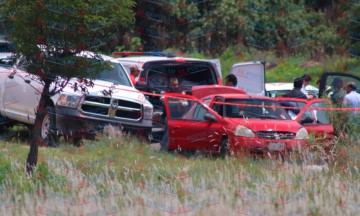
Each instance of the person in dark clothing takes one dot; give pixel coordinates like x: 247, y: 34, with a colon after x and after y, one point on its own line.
x: 231, y: 80
x: 296, y: 91
x: 334, y: 91
x: 173, y: 88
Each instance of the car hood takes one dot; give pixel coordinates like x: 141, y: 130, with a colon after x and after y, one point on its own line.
x: 267, y: 125
x: 119, y: 92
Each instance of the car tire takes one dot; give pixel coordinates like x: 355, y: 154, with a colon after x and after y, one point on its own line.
x: 48, y: 124
x: 224, y: 148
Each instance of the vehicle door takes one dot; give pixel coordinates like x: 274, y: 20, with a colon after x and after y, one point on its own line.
x: 30, y: 89
x: 328, y: 79
x: 192, y: 126
x: 250, y: 77
x: 33, y: 89
x: 14, y: 93
x: 315, y: 117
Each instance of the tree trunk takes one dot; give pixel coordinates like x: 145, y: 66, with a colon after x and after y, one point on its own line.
x: 35, y: 133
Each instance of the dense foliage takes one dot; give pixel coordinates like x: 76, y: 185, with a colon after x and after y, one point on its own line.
x: 51, y: 37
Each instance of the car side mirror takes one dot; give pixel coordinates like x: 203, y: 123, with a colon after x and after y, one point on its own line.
x: 306, y: 120
x: 210, y: 117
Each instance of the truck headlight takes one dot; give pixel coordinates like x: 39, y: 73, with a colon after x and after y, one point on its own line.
x: 68, y: 100
x: 302, y: 134
x: 243, y: 131
x: 148, y: 112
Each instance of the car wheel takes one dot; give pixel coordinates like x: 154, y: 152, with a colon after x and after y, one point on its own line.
x: 47, y: 130
x: 224, y: 148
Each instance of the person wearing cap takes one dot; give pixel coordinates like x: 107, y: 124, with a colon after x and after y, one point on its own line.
x: 134, y: 72
x: 334, y: 91
x: 296, y: 91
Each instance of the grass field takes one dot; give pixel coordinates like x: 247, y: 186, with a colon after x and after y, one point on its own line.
x: 120, y: 175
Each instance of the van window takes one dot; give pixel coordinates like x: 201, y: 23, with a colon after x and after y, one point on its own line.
x: 188, y: 74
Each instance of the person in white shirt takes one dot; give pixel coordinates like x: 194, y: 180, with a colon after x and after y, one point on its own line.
x: 306, y: 81
x: 352, y: 100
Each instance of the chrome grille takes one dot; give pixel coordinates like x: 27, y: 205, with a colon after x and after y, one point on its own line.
x: 274, y: 135
x: 112, y: 108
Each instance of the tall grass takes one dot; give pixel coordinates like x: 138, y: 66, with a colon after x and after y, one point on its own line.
x: 122, y: 175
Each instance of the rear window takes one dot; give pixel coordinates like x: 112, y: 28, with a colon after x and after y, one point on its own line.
x: 189, y: 74
x: 276, y: 93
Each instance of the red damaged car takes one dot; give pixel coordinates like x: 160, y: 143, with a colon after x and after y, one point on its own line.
x: 312, y: 115
x: 225, y: 123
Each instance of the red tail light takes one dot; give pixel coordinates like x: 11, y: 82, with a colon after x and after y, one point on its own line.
x: 219, y: 81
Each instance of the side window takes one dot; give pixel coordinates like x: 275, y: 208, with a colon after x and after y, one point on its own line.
x: 199, y: 113
x: 321, y: 116
x: 218, y: 107
x: 307, y: 118
x: 185, y: 109
x: 206, y: 101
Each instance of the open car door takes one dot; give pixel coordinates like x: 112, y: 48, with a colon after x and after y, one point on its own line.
x: 312, y: 115
x: 329, y: 80
x: 315, y: 117
x: 191, y: 125
x: 250, y: 77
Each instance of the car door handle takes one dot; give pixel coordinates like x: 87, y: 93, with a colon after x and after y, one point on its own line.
x: 177, y: 127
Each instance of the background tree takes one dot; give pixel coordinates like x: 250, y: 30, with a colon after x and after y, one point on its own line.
x: 51, y: 36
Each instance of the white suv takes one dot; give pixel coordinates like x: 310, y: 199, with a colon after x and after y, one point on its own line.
x: 77, y: 114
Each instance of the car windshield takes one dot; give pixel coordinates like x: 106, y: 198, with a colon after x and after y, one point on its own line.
x: 189, y: 74
x: 115, y: 74
x: 254, y: 108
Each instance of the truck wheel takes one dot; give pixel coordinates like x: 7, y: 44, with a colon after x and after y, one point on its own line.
x: 224, y: 148
x: 48, y: 127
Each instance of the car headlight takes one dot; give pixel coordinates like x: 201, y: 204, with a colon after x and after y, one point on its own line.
x: 69, y: 100
x: 302, y: 134
x: 243, y: 131
x: 148, y: 112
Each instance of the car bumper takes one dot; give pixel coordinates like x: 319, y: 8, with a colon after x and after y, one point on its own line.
x: 71, y: 122
x: 256, y: 144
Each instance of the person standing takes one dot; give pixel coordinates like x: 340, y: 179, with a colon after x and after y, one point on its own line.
x: 306, y: 81
x: 134, y: 72
x: 172, y: 88
x: 352, y: 100
x: 296, y: 91
x: 334, y: 91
